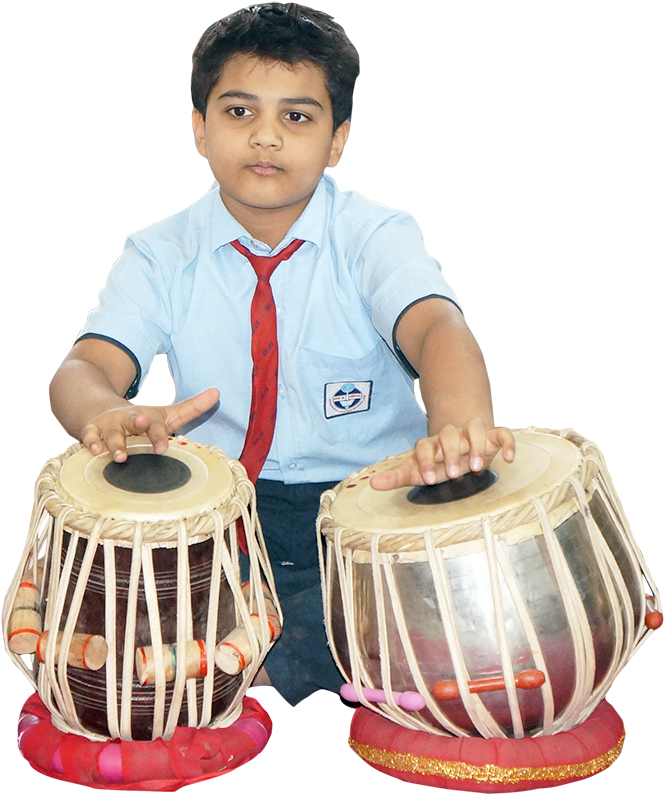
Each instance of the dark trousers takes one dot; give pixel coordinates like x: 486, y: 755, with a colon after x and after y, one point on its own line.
x: 300, y: 662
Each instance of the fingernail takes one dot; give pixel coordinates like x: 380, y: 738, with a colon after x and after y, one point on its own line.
x: 430, y: 478
x: 477, y: 464
x: 454, y: 471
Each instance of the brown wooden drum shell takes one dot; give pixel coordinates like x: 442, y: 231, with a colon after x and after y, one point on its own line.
x: 89, y: 687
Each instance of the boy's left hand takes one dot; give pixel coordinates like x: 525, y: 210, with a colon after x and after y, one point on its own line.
x: 449, y: 454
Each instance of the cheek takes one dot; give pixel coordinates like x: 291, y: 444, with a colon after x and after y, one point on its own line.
x: 315, y: 158
x: 224, y: 162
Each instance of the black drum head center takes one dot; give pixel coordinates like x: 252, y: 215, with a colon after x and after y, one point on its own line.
x: 147, y: 473
x: 452, y: 490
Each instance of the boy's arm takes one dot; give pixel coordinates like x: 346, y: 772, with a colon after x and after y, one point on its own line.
x: 87, y: 397
x: 435, y: 339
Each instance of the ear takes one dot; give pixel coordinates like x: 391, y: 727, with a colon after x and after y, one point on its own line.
x: 198, y: 123
x: 339, y: 139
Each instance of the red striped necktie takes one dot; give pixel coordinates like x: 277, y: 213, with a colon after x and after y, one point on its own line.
x: 265, y: 357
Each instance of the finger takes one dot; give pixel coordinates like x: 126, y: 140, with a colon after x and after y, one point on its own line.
x: 406, y: 473
x: 477, y: 437
x: 186, y: 411
x: 450, y: 440
x: 92, y: 439
x: 115, y: 439
x: 427, y: 453
x: 158, y: 435
x: 110, y: 429
x: 505, y: 440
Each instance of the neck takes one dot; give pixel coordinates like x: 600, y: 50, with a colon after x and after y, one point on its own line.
x: 269, y: 225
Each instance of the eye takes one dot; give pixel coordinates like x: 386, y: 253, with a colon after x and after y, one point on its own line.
x: 239, y: 112
x: 296, y: 117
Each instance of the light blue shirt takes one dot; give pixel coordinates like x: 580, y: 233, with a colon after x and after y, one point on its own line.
x: 345, y: 393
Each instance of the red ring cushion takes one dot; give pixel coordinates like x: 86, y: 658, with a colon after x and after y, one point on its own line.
x: 192, y: 754
x: 475, y: 764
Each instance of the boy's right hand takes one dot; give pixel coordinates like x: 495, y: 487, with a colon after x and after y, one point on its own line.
x: 110, y: 429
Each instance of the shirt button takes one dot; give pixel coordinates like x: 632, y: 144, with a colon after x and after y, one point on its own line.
x: 292, y: 465
x: 281, y: 391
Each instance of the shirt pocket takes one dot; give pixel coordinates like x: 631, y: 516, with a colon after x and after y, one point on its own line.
x: 355, y: 401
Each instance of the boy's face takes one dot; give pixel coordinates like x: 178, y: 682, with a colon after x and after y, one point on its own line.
x: 268, y: 136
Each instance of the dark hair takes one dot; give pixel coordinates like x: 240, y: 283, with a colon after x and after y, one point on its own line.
x: 285, y: 32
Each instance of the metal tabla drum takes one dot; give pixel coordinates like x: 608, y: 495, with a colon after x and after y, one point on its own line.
x: 507, y: 611
x: 130, y: 584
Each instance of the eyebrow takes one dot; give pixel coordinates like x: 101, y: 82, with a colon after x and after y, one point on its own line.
x: 293, y: 100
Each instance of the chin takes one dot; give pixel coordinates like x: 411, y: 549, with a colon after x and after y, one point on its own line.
x: 272, y: 203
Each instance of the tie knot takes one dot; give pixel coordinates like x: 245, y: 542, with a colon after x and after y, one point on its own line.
x: 265, y: 266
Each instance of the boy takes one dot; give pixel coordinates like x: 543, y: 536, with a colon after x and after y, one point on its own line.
x: 357, y: 306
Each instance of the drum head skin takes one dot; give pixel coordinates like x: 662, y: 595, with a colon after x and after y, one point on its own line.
x: 540, y: 462
x: 187, y: 480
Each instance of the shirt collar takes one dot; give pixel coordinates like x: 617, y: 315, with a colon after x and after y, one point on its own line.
x: 310, y: 226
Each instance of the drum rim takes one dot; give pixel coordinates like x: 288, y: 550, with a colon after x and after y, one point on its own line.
x: 200, y: 522
x: 464, y: 529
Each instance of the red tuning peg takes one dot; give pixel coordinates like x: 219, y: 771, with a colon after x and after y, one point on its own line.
x: 653, y: 619
x: 528, y: 679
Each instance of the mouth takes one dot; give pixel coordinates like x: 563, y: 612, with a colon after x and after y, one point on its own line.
x: 265, y: 168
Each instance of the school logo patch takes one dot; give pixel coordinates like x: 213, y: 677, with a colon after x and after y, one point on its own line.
x: 347, y: 398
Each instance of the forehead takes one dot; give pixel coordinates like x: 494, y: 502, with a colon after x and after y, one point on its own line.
x: 272, y: 80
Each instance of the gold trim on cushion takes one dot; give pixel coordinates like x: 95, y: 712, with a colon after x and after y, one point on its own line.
x: 489, y: 773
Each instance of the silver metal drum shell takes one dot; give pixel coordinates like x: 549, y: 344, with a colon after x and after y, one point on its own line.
x: 475, y: 623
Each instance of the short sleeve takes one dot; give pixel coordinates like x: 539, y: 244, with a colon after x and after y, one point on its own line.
x: 394, y: 271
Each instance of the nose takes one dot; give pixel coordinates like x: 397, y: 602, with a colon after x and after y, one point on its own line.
x: 266, y: 133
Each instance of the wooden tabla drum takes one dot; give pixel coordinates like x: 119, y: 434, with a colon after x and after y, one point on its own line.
x: 130, y: 582
x: 507, y: 611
